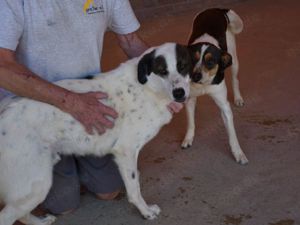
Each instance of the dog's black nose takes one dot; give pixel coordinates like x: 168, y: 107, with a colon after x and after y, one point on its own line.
x: 196, y: 77
x: 179, y: 94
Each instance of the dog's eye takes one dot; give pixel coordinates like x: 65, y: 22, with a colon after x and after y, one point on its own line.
x: 210, y: 63
x: 181, y: 66
x: 163, y: 72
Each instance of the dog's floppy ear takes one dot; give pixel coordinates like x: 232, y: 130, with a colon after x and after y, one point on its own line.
x: 226, y: 60
x: 145, y: 67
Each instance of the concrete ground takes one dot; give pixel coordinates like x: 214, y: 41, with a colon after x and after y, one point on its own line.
x: 203, y: 185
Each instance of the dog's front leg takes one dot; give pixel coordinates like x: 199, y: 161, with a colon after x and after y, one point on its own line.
x: 190, y: 111
x: 127, y: 164
x: 221, y: 100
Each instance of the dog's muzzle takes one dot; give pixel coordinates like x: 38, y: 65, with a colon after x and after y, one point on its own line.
x: 179, y: 94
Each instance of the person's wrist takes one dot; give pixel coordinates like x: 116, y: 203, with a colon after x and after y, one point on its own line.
x: 67, y: 101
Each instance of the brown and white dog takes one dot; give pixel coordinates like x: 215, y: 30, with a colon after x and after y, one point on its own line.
x: 213, y: 48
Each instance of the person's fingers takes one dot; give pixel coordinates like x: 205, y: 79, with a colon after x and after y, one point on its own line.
x: 103, y: 108
x: 88, y: 127
x: 108, y: 111
x: 170, y: 109
x: 106, y: 122
x: 91, y: 127
x: 179, y: 106
x: 100, y: 95
x: 93, y: 114
x: 175, y: 107
x: 99, y: 128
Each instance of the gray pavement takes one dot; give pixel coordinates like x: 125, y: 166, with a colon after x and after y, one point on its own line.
x: 203, y: 185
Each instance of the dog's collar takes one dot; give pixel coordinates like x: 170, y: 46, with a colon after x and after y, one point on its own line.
x: 207, y: 38
x: 204, y: 42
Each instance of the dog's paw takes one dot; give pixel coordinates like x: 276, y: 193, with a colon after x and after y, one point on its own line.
x: 241, y: 159
x: 239, y: 102
x: 152, y: 212
x: 47, y: 220
x: 155, y: 209
x: 187, y: 142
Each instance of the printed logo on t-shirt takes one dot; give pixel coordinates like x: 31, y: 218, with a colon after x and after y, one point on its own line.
x: 93, y: 6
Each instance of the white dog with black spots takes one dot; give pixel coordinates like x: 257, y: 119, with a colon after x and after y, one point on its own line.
x: 34, y: 134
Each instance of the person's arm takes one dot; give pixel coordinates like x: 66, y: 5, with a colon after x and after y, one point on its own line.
x: 132, y: 44
x: 86, y: 107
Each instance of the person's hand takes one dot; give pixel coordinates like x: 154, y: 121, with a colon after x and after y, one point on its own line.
x: 175, y: 107
x: 89, y: 111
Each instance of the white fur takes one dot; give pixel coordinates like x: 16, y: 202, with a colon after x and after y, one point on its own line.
x: 235, y: 26
x: 32, y: 134
x: 207, y: 38
x: 219, y: 92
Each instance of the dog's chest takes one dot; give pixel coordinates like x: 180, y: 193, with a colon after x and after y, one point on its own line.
x: 200, y: 89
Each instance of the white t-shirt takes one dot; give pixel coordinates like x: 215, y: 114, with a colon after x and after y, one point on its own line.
x: 60, y: 39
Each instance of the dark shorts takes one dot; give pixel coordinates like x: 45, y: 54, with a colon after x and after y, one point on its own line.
x: 98, y: 175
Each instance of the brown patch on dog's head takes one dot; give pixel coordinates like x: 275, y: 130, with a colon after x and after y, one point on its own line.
x: 213, y: 71
x: 197, y: 55
x: 211, y: 66
x: 208, y: 56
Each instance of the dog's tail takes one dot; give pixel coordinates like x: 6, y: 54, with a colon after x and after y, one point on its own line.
x: 235, y: 24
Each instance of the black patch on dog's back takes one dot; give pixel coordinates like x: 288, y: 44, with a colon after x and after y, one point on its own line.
x: 213, y: 22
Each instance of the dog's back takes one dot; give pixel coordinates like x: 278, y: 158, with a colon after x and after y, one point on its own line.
x: 215, y: 22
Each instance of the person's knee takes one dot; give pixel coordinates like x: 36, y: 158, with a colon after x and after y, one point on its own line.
x: 66, y: 212
x: 108, y: 196
x: 105, y: 181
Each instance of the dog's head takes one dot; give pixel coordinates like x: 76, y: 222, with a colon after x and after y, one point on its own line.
x: 167, y: 69
x: 209, y: 63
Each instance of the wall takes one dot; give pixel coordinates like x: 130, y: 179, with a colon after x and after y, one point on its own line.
x: 154, y: 8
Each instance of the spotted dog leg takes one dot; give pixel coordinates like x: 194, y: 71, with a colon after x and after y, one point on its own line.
x: 128, y: 168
